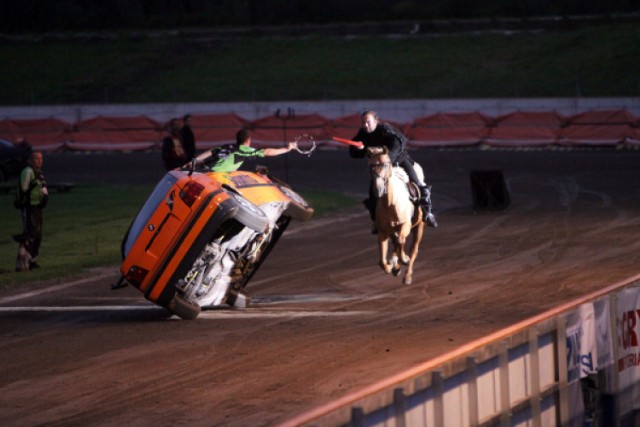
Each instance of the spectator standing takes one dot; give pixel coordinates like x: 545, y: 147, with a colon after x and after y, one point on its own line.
x: 174, y: 154
x: 32, y: 197
x: 187, y: 137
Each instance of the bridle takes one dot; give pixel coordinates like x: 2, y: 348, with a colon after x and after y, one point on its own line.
x: 381, y: 170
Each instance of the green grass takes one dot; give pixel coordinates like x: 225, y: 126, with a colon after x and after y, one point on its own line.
x: 83, y: 229
x: 601, y: 60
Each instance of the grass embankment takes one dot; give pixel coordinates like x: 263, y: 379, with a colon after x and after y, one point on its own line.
x: 83, y: 229
x: 592, y: 62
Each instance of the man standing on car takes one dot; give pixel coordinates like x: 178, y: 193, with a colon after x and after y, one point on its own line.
x: 376, y: 134
x: 33, y: 197
x: 229, y: 157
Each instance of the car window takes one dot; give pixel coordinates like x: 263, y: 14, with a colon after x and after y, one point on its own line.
x: 147, y: 210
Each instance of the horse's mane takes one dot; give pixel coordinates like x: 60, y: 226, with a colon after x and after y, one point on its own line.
x: 397, y: 192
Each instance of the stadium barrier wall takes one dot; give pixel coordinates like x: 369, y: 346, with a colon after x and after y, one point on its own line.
x: 575, y: 365
x: 446, y: 128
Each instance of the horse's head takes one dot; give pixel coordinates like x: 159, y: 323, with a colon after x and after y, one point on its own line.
x: 380, y: 169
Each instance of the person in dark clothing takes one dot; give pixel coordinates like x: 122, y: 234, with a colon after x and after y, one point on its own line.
x: 376, y: 134
x: 33, y: 196
x: 187, y: 137
x: 174, y: 154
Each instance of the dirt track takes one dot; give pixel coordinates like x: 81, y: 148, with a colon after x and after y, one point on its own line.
x: 326, y: 320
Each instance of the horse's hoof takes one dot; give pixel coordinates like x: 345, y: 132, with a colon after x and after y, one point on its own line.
x: 396, y: 273
x: 386, y: 268
x: 407, y: 281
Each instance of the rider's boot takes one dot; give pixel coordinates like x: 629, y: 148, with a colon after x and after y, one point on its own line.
x: 425, y: 202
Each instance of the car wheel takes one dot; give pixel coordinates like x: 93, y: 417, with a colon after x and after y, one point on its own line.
x: 249, y: 214
x: 183, y: 309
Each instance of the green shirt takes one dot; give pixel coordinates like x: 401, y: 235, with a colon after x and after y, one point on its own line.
x: 235, y: 159
x: 29, y: 183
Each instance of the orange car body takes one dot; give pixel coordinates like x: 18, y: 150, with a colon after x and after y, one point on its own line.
x: 186, y: 211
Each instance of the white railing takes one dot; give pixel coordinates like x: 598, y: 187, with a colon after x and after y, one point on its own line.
x: 549, y: 370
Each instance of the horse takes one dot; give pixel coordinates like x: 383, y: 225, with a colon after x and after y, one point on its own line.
x: 396, y: 216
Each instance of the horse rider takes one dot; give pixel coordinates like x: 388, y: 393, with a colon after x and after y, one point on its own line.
x: 376, y: 134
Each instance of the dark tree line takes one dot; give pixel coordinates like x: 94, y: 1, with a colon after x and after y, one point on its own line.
x: 23, y: 16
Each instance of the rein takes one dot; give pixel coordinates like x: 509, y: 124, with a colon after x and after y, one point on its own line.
x: 377, y: 171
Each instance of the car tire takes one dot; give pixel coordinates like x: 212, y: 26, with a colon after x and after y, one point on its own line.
x: 249, y: 214
x: 184, y: 309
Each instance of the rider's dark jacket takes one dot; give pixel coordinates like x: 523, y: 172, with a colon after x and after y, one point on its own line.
x: 384, y: 135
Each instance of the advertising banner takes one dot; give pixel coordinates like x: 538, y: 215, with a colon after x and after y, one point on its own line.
x: 582, y: 347
x: 628, y: 343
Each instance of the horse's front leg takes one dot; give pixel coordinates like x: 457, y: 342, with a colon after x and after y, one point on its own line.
x: 398, y: 254
x: 417, y: 238
x: 402, y: 240
x: 383, y: 247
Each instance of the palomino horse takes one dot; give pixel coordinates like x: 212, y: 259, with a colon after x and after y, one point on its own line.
x: 396, y: 216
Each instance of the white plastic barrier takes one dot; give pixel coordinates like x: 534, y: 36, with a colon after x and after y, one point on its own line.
x: 577, y: 364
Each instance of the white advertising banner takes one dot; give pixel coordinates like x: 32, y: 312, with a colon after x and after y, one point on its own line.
x: 628, y: 342
x: 574, y: 337
x: 582, y: 349
x: 588, y: 347
x: 604, y: 338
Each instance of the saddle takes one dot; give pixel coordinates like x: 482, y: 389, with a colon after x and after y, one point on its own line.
x: 412, y: 187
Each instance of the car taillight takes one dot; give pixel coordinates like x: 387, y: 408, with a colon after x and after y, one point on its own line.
x: 190, y: 193
x: 136, y: 275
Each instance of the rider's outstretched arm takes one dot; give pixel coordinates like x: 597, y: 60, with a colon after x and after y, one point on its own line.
x: 269, y: 152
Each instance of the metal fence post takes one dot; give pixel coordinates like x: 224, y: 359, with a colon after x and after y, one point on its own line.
x: 437, y: 383
x: 505, y: 394
x: 534, y: 372
x: 472, y: 388
x: 562, y: 374
x: 400, y: 407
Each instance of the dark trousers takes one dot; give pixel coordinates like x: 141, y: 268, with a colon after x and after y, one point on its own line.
x: 407, y: 165
x: 32, y: 229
